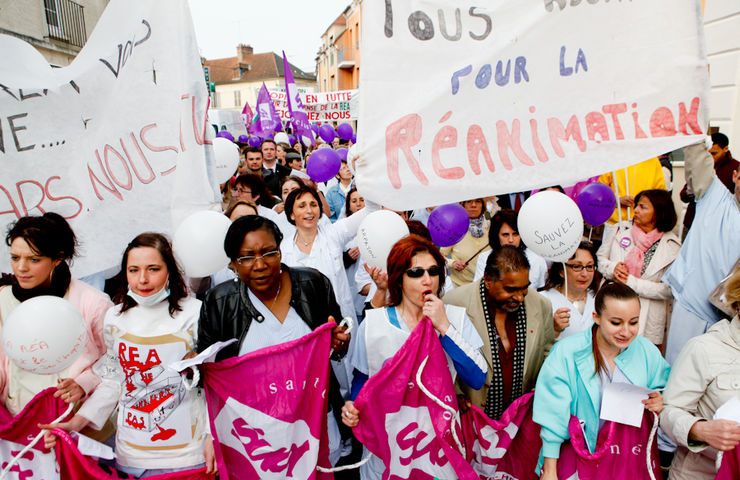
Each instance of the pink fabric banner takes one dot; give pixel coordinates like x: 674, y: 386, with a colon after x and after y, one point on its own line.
x: 620, y: 454
x: 401, y: 425
x: 508, y: 448
x: 17, y: 432
x: 75, y: 465
x: 730, y: 468
x: 39, y: 463
x: 268, y: 410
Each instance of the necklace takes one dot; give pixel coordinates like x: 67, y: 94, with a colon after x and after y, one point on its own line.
x: 280, y: 283
x: 305, y: 244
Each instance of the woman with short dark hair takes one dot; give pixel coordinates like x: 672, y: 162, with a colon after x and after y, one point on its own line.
x: 415, y: 280
x: 270, y: 303
x: 321, y: 245
x: 638, y: 253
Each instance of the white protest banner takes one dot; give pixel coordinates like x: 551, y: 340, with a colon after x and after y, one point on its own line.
x: 320, y: 106
x: 114, y: 142
x: 482, y: 98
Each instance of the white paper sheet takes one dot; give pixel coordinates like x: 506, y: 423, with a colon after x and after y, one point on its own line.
x: 730, y: 410
x: 622, y: 403
x: 207, y: 355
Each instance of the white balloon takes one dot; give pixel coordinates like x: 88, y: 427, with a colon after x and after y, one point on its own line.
x: 351, y: 154
x: 551, y: 225
x: 282, y: 137
x: 377, y: 234
x: 226, y: 154
x: 198, y: 243
x: 44, y: 334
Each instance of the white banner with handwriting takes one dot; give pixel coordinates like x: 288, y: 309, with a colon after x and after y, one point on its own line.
x: 473, y: 99
x: 114, y: 142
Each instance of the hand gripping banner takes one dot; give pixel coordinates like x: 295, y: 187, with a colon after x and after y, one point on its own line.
x: 402, y: 425
x: 268, y: 410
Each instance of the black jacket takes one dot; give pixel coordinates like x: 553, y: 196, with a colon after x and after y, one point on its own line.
x: 227, y: 313
x: 273, y: 179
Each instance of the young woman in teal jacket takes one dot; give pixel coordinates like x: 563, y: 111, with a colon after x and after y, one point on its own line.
x: 568, y: 383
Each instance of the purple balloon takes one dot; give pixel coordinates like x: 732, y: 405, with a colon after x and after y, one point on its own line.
x: 327, y: 133
x: 448, y: 224
x: 354, y: 138
x: 291, y: 140
x: 225, y: 134
x: 597, y: 203
x: 323, y: 165
x: 342, y: 153
x: 243, y: 139
x: 255, y: 141
x: 315, y: 128
x: 278, y: 127
x: 345, y: 131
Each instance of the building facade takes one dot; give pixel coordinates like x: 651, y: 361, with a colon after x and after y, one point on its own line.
x: 238, y: 79
x: 338, y: 59
x: 57, y: 28
x: 721, y: 27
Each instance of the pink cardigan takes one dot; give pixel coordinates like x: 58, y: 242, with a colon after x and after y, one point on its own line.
x: 93, y: 304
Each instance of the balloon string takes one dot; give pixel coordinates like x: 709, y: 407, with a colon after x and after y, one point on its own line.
x: 590, y: 231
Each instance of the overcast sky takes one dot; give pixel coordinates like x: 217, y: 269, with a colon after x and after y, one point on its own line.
x: 268, y: 25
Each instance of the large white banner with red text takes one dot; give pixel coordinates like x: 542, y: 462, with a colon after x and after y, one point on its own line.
x: 114, y: 142
x: 463, y: 100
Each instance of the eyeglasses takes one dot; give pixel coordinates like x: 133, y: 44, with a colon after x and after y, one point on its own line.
x: 578, y: 268
x: 248, y: 260
x: 417, y: 272
x: 242, y: 191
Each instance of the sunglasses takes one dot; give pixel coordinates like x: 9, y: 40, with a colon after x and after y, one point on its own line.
x: 416, y: 272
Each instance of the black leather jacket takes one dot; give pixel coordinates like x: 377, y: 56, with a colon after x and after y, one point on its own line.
x: 227, y: 313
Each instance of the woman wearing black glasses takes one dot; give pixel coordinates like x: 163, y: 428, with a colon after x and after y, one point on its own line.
x: 415, y: 279
x: 270, y: 303
x: 573, y: 310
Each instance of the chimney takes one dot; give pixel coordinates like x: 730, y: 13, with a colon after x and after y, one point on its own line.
x: 242, y: 51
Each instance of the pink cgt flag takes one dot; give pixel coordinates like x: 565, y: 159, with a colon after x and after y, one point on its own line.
x: 268, y: 410
x: 403, y: 426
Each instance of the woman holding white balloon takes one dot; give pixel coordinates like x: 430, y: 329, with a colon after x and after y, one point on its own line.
x: 40, y: 249
x: 153, y: 324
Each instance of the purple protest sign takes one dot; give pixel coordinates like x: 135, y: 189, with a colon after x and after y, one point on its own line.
x: 267, y: 118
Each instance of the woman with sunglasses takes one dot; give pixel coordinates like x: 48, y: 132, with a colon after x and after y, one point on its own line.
x: 573, y: 310
x: 270, y: 303
x: 415, y: 279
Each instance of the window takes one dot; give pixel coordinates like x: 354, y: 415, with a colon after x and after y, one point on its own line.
x: 237, y: 98
x: 66, y: 21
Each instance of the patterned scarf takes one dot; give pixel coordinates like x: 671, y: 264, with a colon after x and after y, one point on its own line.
x: 635, y: 258
x: 477, y: 226
x: 495, y: 400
